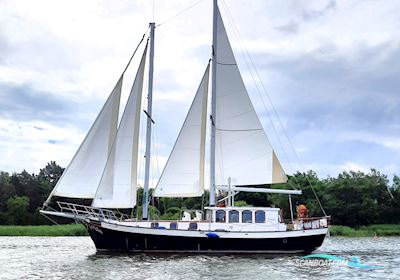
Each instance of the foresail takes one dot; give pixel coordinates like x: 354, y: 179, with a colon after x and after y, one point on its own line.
x: 243, y: 151
x: 117, y: 188
x: 81, y: 178
x: 183, y: 174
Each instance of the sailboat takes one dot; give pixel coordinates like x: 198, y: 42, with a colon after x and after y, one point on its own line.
x: 105, y: 170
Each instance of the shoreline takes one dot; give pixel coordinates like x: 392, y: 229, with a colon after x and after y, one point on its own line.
x: 366, y: 231
x: 80, y: 230
x: 44, y: 230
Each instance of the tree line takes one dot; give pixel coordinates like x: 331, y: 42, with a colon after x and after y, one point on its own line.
x: 352, y: 198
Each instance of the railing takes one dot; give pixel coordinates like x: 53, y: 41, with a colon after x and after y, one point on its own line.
x: 308, y: 223
x: 88, y: 211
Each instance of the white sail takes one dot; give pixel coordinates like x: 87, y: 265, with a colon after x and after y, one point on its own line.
x: 243, y: 151
x: 183, y: 174
x: 117, y: 188
x: 81, y: 178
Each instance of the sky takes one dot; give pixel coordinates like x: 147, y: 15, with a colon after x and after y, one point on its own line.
x: 322, y: 75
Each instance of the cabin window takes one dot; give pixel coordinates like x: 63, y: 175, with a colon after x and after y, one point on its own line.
x: 247, y: 216
x: 193, y: 226
x: 234, y: 216
x: 173, y: 225
x: 260, y: 216
x: 154, y: 225
x: 220, y: 216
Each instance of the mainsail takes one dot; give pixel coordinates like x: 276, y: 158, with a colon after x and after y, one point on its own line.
x: 81, y: 178
x: 183, y: 175
x: 243, y: 151
x: 117, y: 188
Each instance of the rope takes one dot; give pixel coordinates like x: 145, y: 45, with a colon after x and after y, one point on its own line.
x: 316, y: 196
x: 137, y: 47
x: 154, y: 7
x: 179, y: 13
x: 272, y: 105
x: 244, y: 50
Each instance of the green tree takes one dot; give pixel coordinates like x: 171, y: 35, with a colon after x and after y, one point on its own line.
x: 17, y: 210
x: 7, y: 190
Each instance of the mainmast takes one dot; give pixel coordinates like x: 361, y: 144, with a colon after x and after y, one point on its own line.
x: 145, y: 203
x: 213, y: 105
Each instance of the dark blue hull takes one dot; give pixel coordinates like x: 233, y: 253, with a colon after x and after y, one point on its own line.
x: 115, y: 240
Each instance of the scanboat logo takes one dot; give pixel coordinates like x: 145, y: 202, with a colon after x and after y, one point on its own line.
x: 330, y: 260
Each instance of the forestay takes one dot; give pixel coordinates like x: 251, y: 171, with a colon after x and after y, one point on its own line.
x: 81, y: 178
x: 117, y: 188
x: 243, y: 151
x: 183, y: 175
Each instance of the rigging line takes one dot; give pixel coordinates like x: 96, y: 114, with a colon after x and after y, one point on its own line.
x: 179, y: 13
x: 153, y: 164
x: 154, y: 7
x: 137, y: 47
x: 273, y: 107
x: 316, y: 196
x: 236, y: 31
x: 278, y: 117
x: 155, y: 134
x: 291, y: 144
x: 50, y: 219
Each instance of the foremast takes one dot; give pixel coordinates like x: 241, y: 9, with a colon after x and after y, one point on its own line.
x: 145, y: 202
x: 213, y: 104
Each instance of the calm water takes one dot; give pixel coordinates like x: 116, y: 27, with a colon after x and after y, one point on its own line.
x: 76, y: 258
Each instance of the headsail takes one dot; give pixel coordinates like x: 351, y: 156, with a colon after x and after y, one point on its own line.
x: 117, y: 188
x: 243, y: 151
x: 81, y: 178
x: 183, y: 175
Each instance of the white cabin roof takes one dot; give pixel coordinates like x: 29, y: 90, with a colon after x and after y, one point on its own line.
x: 242, y: 208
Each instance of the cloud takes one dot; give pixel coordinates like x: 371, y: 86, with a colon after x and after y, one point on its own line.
x: 338, y: 101
x: 21, y: 102
x: 24, y: 146
x: 312, y: 14
x: 290, y: 28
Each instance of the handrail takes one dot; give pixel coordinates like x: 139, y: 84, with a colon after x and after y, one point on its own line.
x: 308, y: 223
x: 89, y: 211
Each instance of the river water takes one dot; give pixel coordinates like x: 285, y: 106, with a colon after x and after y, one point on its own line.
x: 76, y: 258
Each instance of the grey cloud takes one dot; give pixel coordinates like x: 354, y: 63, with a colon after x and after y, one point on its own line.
x: 289, y: 28
x: 341, y: 78
x: 24, y: 103
x: 39, y: 128
x: 313, y: 14
x: 326, y: 97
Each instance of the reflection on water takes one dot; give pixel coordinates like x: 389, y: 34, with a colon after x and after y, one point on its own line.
x: 76, y: 258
